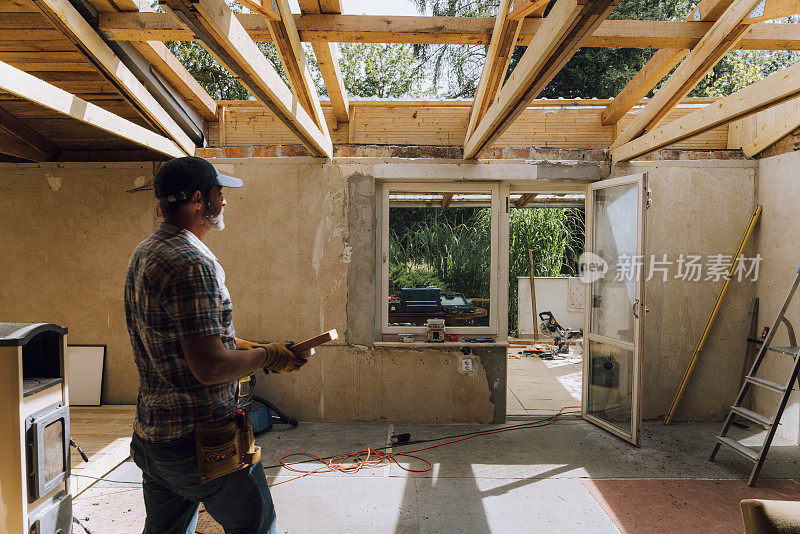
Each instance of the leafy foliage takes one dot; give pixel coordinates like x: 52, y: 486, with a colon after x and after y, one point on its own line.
x: 449, y: 248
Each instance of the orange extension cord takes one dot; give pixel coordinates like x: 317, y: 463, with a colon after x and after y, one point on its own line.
x: 369, y: 458
x: 365, y: 459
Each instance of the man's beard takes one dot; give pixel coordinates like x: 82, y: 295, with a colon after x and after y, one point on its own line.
x: 215, y: 221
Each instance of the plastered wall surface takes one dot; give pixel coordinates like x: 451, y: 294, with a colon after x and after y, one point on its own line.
x: 777, y: 238
x: 698, y: 208
x: 67, y: 232
x: 298, y: 251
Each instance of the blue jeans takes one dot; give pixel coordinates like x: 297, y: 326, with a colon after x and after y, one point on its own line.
x: 239, y: 501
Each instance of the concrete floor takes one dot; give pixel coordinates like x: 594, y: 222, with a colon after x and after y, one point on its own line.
x: 537, y: 386
x: 566, y: 477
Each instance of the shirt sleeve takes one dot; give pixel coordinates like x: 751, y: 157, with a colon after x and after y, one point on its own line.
x: 193, y: 301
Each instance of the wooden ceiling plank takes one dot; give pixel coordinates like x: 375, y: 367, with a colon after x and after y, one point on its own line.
x: 567, y: 24
x: 772, y: 134
x: 258, y: 6
x: 293, y: 57
x: 328, y: 62
x: 25, y: 86
x: 67, y: 19
x: 450, y: 30
x: 47, y: 150
x: 775, y: 88
x: 716, y: 43
x: 496, y: 64
x: 226, y: 39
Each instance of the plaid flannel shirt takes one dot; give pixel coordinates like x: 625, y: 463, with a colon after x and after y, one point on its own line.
x: 175, y: 289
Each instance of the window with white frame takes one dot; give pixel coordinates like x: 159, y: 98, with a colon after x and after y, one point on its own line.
x: 439, y: 258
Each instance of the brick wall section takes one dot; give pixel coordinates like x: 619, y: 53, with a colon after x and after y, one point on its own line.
x: 790, y: 143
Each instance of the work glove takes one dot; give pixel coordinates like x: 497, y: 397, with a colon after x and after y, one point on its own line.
x: 280, y: 357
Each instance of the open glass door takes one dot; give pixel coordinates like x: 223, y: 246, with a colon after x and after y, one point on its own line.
x: 615, y: 225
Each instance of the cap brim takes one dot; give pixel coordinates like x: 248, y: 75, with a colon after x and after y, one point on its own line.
x: 228, y: 181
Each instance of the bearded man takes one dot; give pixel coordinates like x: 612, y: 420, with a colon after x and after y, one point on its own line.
x: 179, y: 318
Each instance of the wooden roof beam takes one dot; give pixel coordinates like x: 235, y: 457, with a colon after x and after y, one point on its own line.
x: 527, y: 8
x: 524, y: 200
x: 446, y: 30
x: 563, y: 30
x: 775, y: 88
x: 287, y: 41
x: 716, y: 43
x: 67, y: 19
x: 659, y: 65
x: 664, y: 60
x: 446, y: 199
x: 46, y: 150
x: 328, y: 62
x: 501, y: 47
x: 225, y: 38
x: 23, y: 85
x: 170, y: 68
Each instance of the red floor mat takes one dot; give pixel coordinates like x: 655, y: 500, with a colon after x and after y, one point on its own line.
x: 683, y: 505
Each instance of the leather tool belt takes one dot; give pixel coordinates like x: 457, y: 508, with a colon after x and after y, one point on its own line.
x: 224, y: 447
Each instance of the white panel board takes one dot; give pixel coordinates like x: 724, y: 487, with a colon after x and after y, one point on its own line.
x: 85, y: 374
x: 552, y: 294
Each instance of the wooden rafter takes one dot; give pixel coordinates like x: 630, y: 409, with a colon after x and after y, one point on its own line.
x: 170, y: 68
x: 23, y: 85
x: 47, y: 151
x: 658, y: 66
x: 567, y: 25
x: 504, y: 36
x: 527, y: 8
x: 67, y: 19
x: 293, y: 57
x: 446, y: 199
x: 225, y: 38
x: 523, y: 200
x: 775, y: 88
x: 449, y: 30
x: 716, y: 43
x: 267, y: 11
x: 328, y: 61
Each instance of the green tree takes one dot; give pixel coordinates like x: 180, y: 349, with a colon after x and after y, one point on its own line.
x: 380, y: 70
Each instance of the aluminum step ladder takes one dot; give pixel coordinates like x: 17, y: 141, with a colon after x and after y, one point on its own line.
x: 751, y: 380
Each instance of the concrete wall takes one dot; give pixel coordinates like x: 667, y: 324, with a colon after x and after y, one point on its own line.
x: 702, y: 208
x: 778, y: 238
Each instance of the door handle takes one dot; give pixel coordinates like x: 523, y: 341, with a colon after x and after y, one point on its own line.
x: 635, y: 308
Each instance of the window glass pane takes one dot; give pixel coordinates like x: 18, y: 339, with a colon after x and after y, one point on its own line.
x: 610, y: 384
x: 615, y: 227
x: 439, y: 258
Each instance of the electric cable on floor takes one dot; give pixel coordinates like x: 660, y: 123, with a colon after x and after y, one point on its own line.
x: 375, y: 457
x: 355, y: 461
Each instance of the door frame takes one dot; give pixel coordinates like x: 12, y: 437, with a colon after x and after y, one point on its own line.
x: 638, y: 338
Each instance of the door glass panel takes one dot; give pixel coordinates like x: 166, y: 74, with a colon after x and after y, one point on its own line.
x: 614, y: 240
x: 610, y: 384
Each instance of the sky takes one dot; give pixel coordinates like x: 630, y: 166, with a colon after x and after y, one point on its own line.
x: 371, y: 7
